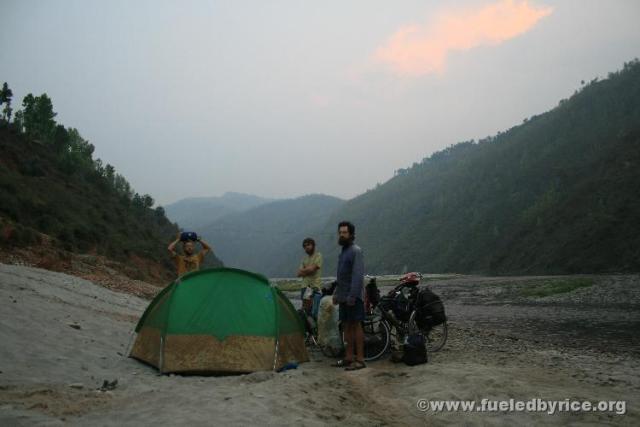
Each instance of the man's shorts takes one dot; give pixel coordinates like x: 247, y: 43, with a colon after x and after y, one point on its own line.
x: 352, y: 313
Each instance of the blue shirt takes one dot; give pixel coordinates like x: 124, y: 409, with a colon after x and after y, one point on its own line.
x: 350, y: 275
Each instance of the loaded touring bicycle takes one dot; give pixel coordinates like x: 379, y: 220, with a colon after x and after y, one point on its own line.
x: 407, y: 309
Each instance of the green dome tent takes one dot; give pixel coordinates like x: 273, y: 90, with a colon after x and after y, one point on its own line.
x: 220, y: 320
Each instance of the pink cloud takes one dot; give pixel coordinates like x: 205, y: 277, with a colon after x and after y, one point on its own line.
x: 319, y: 101
x: 414, y: 50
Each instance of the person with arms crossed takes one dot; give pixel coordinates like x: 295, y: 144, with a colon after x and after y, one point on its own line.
x: 310, y: 271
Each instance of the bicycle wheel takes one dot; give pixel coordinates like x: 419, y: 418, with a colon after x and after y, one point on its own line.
x: 436, y: 337
x: 376, y: 339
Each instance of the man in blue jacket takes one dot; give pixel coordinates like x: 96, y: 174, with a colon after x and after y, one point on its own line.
x: 349, y: 294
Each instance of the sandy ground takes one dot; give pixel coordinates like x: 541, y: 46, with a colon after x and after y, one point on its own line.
x: 62, y: 337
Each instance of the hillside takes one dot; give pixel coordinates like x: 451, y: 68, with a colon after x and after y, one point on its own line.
x: 556, y: 194
x: 55, y: 206
x: 195, y: 212
x: 268, y: 238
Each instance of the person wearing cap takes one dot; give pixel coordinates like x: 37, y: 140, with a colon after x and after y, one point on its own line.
x: 191, y: 260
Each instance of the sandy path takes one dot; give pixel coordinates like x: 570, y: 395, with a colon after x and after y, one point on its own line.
x: 63, y: 336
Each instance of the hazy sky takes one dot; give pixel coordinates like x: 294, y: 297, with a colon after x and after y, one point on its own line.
x: 285, y: 98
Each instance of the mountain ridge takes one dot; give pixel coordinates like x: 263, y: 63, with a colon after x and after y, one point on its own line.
x: 268, y: 238
x: 552, y: 195
x: 192, y: 213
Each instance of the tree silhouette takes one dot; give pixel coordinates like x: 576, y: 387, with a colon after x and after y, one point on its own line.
x: 38, y: 117
x: 60, y: 138
x: 5, y: 98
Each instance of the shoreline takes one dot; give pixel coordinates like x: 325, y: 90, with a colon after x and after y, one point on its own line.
x: 64, y: 336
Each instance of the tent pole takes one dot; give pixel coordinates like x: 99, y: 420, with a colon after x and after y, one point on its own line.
x: 161, y: 363
x: 127, y: 353
x: 275, y: 304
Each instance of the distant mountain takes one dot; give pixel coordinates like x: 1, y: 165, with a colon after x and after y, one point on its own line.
x: 556, y: 194
x: 268, y: 239
x: 195, y: 212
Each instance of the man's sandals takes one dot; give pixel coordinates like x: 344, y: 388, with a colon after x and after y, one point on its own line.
x: 349, y: 365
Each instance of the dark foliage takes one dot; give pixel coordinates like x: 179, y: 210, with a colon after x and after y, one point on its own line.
x: 51, y: 185
x: 557, y: 194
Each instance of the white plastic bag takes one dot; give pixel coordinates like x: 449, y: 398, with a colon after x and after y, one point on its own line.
x: 328, y: 327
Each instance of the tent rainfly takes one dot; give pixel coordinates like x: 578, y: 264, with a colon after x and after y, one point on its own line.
x: 220, y: 320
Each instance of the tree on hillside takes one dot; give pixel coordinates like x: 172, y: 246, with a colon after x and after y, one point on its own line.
x: 77, y: 154
x: 142, y: 201
x: 28, y: 113
x: 80, y: 145
x: 123, y: 188
x: 60, y: 138
x: 38, y: 117
x: 109, y: 174
x: 5, y: 98
x: 18, y: 121
x: 147, y: 201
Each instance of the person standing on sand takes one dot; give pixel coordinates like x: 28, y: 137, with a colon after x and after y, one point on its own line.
x: 190, y: 261
x: 349, y: 294
x: 310, y: 271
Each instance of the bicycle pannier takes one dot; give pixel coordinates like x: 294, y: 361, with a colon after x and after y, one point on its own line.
x: 429, y: 309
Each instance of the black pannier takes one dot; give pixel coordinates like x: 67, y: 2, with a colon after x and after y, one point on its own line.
x: 415, y: 350
x: 429, y: 310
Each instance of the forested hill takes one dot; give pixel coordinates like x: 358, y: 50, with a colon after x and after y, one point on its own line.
x: 53, y: 194
x: 268, y: 238
x: 556, y: 194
